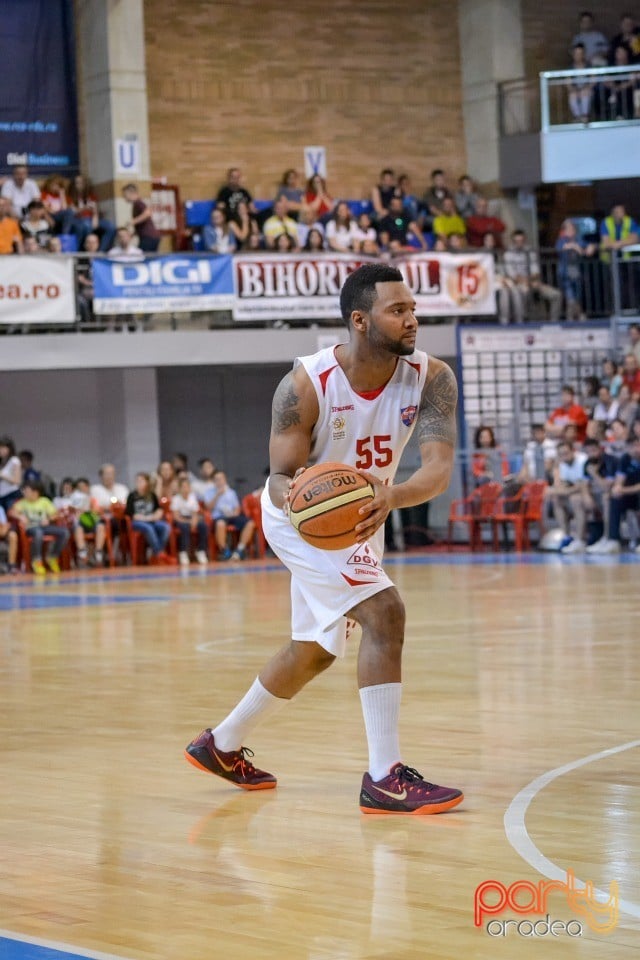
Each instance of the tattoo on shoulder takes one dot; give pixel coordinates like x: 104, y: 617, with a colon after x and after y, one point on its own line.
x: 437, y: 414
x: 285, y: 402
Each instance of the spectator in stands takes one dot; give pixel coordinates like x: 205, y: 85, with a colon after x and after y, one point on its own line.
x: 567, y: 496
x: 124, y: 247
x: 382, y: 193
x: 631, y: 375
x: 466, y: 198
x: 539, y: 456
x: 627, y: 405
x: 398, y: 228
x: 290, y: 189
x: 141, y: 220
x: 54, y: 245
x: 82, y: 200
x: 599, y: 470
x: 589, y: 396
x: 625, y: 495
x: 488, y: 462
x: 593, y: 41
x: 448, y: 221
x: 37, y: 224
x: 606, y: 409
x: 10, y: 473
x: 306, y: 222
x: 568, y: 412
x: 165, y: 482
x: 456, y: 243
x: 9, y: 536
x: 279, y: 222
x: 480, y: 223
x: 571, y: 249
x: 20, y: 190
x: 620, y: 89
x: 37, y: 515
x: 89, y: 519
x: 30, y: 245
x: 365, y: 236
x: 147, y: 518
x: 203, y: 486
x: 65, y: 504
x: 284, y: 243
x: 633, y: 343
x: 30, y: 473
x: 580, y: 88
x: 341, y: 230
x: 180, y: 463
x: 522, y: 266
x: 54, y: 198
x: 410, y: 201
x: 10, y: 235
x: 315, y: 241
x: 617, y: 436
x: 108, y: 493
x: 435, y: 195
x: 189, y: 519
x: 220, y: 235
x: 508, y: 300
x: 234, y: 193
x: 617, y: 231
x: 595, y: 430
x: 611, y: 376
x: 226, y: 513
x: 84, y: 275
x: 317, y: 197
x: 244, y: 226
x: 628, y: 37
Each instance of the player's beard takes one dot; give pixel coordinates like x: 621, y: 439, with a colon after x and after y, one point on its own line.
x: 380, y: 343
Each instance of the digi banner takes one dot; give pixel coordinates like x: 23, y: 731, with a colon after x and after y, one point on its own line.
x: 37, y: 289
x: 307, y: 286
x: 169, y: 284
x: 38, y: 119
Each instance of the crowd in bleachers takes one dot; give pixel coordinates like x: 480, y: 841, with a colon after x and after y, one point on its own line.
x: 612, y: 97
x: 586, y: 456
x: 169, y: 517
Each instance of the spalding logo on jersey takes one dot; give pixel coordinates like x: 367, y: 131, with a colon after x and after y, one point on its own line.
x: 408, y: 415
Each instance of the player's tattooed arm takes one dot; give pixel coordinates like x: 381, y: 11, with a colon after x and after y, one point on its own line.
x: 437, y: 413
x: 286, y: 406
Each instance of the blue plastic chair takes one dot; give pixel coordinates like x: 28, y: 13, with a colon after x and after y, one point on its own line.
x: 197, y: 213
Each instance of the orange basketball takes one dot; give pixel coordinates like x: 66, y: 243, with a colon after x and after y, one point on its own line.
x: 324, y: 504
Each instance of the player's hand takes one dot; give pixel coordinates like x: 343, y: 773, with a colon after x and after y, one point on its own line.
x: 287, y: 493
x: 373, y: 513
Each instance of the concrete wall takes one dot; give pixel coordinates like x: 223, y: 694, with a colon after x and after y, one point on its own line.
x: 250, y: 84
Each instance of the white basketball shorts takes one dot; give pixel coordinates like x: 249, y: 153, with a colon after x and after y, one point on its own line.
x: 325, y: 584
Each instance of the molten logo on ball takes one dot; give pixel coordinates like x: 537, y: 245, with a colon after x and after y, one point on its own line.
x: 327, y: 486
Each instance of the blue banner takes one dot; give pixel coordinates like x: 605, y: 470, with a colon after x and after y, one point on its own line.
x: 38, y: 117
x: 163, y: 284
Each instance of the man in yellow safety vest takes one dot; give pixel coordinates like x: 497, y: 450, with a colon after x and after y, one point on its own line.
x: 617, y: 231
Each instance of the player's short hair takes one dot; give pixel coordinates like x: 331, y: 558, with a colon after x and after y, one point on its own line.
x: 359, y: 289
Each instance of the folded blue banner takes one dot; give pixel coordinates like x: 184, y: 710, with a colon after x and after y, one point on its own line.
x: 163, y: 284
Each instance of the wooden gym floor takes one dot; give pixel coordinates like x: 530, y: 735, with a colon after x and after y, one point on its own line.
x: 522, y: 685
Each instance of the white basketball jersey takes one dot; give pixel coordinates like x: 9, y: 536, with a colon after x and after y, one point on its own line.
x: 368, y: 432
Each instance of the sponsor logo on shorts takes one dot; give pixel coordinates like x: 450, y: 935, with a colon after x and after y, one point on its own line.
x: 364, y: 557
x: 408, y: 414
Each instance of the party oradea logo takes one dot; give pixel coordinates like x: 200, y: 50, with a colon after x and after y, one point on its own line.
x: 530, y: 901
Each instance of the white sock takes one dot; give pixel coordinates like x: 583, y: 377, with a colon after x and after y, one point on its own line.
x: 381, y: 710
x: 256, y: 705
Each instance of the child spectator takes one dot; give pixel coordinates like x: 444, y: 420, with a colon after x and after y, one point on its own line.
x: 488, y: 463
x: 10, y: 473
x: 147, y: 518
x: 37, y: 515
x: 88, y: 518
x: 9, y: 536
x: 188, y: 519
x: 141, y: 220
x: 365, y: 237
x: 36, y: 224
x: 315, y: 241
x: 226, y: 513
x: 66, y: 504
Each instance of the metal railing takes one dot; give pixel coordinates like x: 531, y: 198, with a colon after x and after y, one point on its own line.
x: 592, y: 97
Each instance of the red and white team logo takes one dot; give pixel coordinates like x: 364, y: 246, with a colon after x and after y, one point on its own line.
x: 363, y: 563
x: 408, y: 415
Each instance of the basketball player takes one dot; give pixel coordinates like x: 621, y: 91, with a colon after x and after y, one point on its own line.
x: 356, y: 403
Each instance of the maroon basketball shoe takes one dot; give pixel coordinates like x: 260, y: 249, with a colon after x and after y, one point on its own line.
x: 234, y: 766
x: 405, y: 791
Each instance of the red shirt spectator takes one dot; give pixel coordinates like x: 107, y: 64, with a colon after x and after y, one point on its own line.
x: 317, y: 198
x: 480, y: 224
x: 631, y: 375
x: 568, y: 412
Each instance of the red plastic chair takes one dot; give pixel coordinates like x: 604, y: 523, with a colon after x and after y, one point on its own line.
x: 24, y: 550
x: 534, y: 504
x: 509, y: 510
x: 474, y: 510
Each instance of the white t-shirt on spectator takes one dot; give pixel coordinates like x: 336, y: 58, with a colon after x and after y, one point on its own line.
x: 12, y: 467
x: 341, y: 236
x: 606, y: 413
x: 184, y: 508
x: 20, y: 197
x: 363, y: 235
x: 104, y: 498
x: 573, y: 472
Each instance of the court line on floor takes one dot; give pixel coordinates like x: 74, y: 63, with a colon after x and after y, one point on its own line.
x: 63, y: 950
x: 518, y: 836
